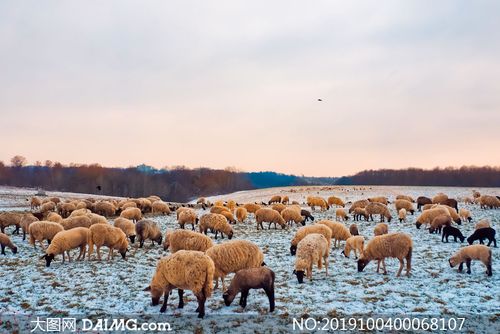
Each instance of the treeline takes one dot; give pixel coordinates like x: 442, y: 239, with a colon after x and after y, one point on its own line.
x: 463, y: 176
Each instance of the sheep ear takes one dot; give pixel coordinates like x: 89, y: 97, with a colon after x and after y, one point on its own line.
x: 147, y: 289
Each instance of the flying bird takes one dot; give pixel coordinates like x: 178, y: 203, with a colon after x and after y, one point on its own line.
x: 99, y: 188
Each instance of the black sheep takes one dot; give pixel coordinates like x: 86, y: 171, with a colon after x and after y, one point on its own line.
x: 454, y: 232
x: 307, y: 215
x: 481, y: 234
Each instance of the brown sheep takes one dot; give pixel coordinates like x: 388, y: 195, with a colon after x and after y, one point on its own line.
x: 147, y: 229
x: 269, y: 216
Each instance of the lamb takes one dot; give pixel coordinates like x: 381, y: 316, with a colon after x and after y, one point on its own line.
x: 133, y: 214
x: 303, y: 231
x: 269, y: 216
x: 332, y: 200
x: 147, y: 229
x: 186, y: 240
x: 454, y: 232
x: 241, y: 214
x: 127, y: 226
x: 339, y: 231
x: 341, y: 214
x: 359, y: 204
x: 314, y: 201
x: 252, y: 278
x: 307, y: 215
x: 358, y: 213
x: 216, y: 222
x: 26, y: 220
x: 393, y: 245
x: 469, y: 253
x: 427, y: 216
x: 438, y: 223
x: 251, y: 207
x: 274, y: 199
x: 43, y: 230
x: 109, y: 236
x: 487, y: 201
x: 314, y: 248
x: 291, y: 215
x: 160, y: 207
x: 465, y: 215
x: 422, y: 200
x: 10, y: 219
x: 64, y: 241
x: 187, y: 217
x: 380, y: 199
x: 405, y: 197
x: 482, y: 224
x: 376, y: 208
x: 481, y: 234
x: 380, y: 229
x: 231, y: 256
x: 184, y: 270
x: 35, y: 203
x: 404, y: 204
x: 105, y: 209
x: 353, y: 229
x: 355, y: 243
x: 285, y: 200
x: 402, y: 215
x: 5, y: 242
x: 229, y: 216
x: 54, y: 217
x: 78, y: 221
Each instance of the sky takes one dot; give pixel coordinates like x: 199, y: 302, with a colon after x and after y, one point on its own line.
x: 233, y: 83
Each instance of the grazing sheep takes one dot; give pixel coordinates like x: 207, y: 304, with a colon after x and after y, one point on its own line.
x: 184, y: 270
x: 160, y: 207
x: 487, y: 201
x: 353, y: 229
x: 376, y: 208
x: 231, y: 256
x: 453, y: 213
x: 482, y: 224
x: 65, y: 209
x: 241, y: 214
x: 252, y: 278
x: 481, y: 234
x: 64, y: 241
x: 180, y: 210
x: 269, y: 216
x: 105, y: 209
x: 355, y: 243
x: 404, y: 204
x: 43, y: 230
x: 405, y: 197
x: 454, y: 232
x: 305, y: 230
x: 219, y: 209
x: 127, y: 226
x: 77, y: 212
x: 469, y: 253
x: 358, y: 213
x: 133, y: 214
x: 313, y: 249
x: 78, y: 221
x: 291, y: 215
x: 438, y: 223
x: 278, y: 207
x: 147, y: 229
x: 341, y: 214
x: 5, y: 242
x: 314, y: 201
x: 186, y: 240
x: 380, y: 199
x: 251, y: 207
x: 332, y: 200
x: 422, y: 200
x: 465, y: 215
x: 96, y: 219
x: 201, y: 200
x: 54, y: 217
x: 359, y: 204
x: 476, y: 194
x: 452, y: 203
x: 393, y: 245
x: 380, y: 229
x: 216, y: 223
x: 229, y: 216
x: 307, y: 215
x: 285, y: 200
x: 427, y: 216
x: 187, y: 217
x: 402, y: 215
x: 10, y: 219
x: 440, y: 198
x: 274, y: 199
x: 26, y: 220
x: 109, y: 236
x: 339, y: 231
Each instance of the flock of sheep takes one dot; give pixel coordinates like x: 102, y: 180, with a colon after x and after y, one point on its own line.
x: 196, y: 261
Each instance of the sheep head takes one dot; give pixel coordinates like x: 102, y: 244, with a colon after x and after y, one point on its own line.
x: 362, y: 262
x: 228, y: 298
x: 48, y: 259
x: 293, y: 249
x: 156, y: 293
x: 300, y: 275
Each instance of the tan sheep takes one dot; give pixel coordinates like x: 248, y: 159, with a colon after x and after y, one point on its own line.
x: 405, y: 197
x: 355, y: 243
x: 80, y: 212
x: 78, y: 221
x: 231, y: 205
x: 305, y: 230
x: 219, y: 209
x: 231, y: 256
x: 359, y: 204
x: 43, y: 230
x: 376, y: 208
x: 402, y: 215
x: 187, y: 217
x: 438, y: 223
x: 393, y: 245
x: 427, y: 216
x: 216, y: 223
x: 313, y: 249
x: 380, y: 229
x: 341, y: 214
x: 219, y: 203
x: 184, y: 270
x: 339, y: 231
x: 241, y: 214
x: 483, y: 223
x: 6, y: 242
x: 54, y: 217
x: 358, y: 213
x: 469, y: 253
x: 105, y: 209
x: 404, y: 204
x: 465, y: 215
x: 35, y: 203
x: 353, y: 229
x: 332, y: 200
x: 278, y: 207
x: 186, y: 240
x: 251, y: 207
x: 453, y: 213
x: 127, y: 226
x: 128, y: 204
x: 291, y: 215
x: 285, y: 200
x: 147, y: 229
x: 314, y: 201
x: 96, y: 219
x: 269, y: 216
x: 133, y: 214
x: 160, y: 207
x: 229, y: 216
x: 440, y: 198
x: 65, y: 241
x: 10, y: 219
x: 65, y: 209
x: 109, y: 236
x: 487, y: 201
x: 275, y: 199
x: 26, y: 220
x: 379, y: 199
x: 47, y: 207
x: 179, y: 210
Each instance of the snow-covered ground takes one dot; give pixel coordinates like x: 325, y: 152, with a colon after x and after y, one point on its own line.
x: 104, y: 289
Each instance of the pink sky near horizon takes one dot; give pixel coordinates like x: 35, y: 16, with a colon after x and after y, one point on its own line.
x: 190, y: 83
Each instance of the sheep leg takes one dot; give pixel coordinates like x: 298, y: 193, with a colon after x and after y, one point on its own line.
x: 401, y: 265
x: 24, y: 235
x: 3, y: 249
x: 63, y: 257
x: 460, y: 267
x: 223, y: 285
x: 468, y: 262
x: 181, y: 298
x: 270, y: 296
x: 201, y: 305
x: 41, y: 244
x: 141, y: 242
x: 325, y: 259
x: 243, y: 298
x: 82, y: 253
x: 383, y: 267
x: 110, y: 254
x: 165, y: 299
x: 378, y: 266
x: 98, y: 251
x: 69, y: 257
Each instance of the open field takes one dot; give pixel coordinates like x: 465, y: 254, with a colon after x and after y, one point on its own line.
x: 95, y: 289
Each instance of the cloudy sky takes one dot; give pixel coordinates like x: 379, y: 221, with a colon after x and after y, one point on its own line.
x: 227, y: 83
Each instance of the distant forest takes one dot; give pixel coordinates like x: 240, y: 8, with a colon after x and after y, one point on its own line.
x: 183, y: 184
